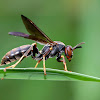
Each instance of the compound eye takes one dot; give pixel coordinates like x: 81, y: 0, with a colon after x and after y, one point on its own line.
x: 69, y: 52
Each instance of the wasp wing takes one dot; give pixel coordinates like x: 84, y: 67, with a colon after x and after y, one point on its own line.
x: 35, y: 32
x: 39, y: 40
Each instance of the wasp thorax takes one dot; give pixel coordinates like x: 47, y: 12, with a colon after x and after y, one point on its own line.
x: 69, y: 52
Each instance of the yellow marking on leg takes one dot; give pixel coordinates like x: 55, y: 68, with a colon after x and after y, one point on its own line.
x: 51, y: 48
x: 65, y: 67
x: 44, y: 65
x: 34, y: 44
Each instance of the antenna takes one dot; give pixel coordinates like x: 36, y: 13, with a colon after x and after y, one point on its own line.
x: 78, y: 46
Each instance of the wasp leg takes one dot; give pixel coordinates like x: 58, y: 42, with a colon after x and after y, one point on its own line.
x: 44, y: 65
x: 37, y: 63
x: 24, y: 55
x: 46, y: 53
x: 64, y: 62
x: 14, y: 65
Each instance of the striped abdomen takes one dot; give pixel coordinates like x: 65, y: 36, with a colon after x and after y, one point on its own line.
x: 14, y: 54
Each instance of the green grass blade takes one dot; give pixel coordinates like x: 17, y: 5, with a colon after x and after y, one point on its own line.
x: 37, y: 74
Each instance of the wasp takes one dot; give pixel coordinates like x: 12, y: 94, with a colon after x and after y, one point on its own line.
x: 50, y: 49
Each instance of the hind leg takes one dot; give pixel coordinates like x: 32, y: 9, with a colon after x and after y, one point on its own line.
x: 24, y: 55
x: 14, y: 65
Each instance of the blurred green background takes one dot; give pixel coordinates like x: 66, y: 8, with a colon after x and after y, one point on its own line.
x: 69, y: 21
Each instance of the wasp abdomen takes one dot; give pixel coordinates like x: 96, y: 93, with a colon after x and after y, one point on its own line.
x: 15, y: 54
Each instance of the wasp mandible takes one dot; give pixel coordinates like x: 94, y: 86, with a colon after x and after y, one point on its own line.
x: 50, y: 49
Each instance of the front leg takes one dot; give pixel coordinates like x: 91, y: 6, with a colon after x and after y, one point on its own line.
x: 64, y: 62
